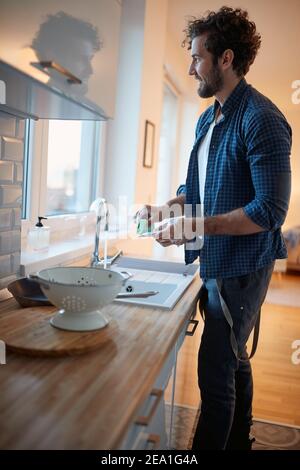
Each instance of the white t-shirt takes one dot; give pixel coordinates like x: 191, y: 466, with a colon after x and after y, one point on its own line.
x: 203, y: 157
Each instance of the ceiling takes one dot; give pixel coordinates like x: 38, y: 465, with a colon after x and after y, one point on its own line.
x: 278, y: 62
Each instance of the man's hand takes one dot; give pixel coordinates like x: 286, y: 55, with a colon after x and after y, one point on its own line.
x: 153, y: 214
x: 171, y: 232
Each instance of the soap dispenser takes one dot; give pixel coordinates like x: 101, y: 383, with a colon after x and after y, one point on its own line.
x: 39, y: 236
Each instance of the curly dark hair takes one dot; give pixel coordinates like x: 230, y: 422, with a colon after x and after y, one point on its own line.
x: 227, y: 28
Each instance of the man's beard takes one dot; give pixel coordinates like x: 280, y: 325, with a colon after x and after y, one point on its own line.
x: 212, y: 84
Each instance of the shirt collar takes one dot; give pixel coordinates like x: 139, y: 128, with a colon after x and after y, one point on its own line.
x: 232, y: 101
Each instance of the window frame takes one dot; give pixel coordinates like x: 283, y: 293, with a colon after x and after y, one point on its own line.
x: 35, y: 177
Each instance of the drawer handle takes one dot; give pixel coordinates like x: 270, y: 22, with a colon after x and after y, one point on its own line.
x: 145, y: 420
x: 195, y: 324
x: 50, y: 64
x: 155, y: 440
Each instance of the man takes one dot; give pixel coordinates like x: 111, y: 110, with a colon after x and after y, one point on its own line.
x: 239, y: 170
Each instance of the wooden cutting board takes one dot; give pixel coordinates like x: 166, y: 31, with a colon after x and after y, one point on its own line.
x: 28, y: 331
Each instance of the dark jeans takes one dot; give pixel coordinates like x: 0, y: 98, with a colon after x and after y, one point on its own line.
x: 225, y: 382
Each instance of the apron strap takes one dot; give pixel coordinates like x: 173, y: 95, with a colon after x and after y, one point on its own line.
x: 227, y: 314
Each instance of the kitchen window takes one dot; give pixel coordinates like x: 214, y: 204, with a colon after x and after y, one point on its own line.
x: 70, y: 167
x: 62, y: 167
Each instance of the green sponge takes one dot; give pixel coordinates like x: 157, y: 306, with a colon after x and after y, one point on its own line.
x: 142, y: 227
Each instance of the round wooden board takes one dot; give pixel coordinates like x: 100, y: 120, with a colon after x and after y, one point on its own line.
x: 28, y: 331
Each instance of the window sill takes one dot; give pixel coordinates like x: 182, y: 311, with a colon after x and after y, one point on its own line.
x: 60, y: 253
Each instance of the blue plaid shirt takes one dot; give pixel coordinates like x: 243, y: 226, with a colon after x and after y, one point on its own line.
x: 248, y: 166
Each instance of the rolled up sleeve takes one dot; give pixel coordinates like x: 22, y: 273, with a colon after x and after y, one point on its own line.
x: 268, y: 142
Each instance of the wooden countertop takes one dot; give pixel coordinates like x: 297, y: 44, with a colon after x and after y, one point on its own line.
x: 88, y: 401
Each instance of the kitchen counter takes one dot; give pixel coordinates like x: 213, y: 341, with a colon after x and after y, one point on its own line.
x: 89, y: 401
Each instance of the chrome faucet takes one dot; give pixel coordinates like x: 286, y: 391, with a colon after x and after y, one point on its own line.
x: 101, y: 209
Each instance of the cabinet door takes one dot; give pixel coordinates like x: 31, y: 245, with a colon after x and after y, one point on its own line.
x: 70, y: 45
x: 166, y: 371
x: 148, y: 432
x: 189, y: 327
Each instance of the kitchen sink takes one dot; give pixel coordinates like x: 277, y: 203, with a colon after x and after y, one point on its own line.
x: 170, y: 280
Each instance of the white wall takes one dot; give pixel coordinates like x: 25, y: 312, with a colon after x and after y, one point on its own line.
x: 148, y: 51
x: 152, y: 95
x: 293, y: 217
x: 139, y: 98
x: 122, y: 133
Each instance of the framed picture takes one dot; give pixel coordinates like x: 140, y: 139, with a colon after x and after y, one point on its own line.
x: 149, y: 144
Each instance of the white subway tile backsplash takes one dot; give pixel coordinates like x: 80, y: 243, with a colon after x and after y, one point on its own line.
x: 6, y: 172
x: 18, y: 173
x: 10, y: 196
x: 11, y: 149
x: 15, y: 262
x: 15, y: 240
x: 20, y: 128
x: 10, y: 241
x: 16, y: 219
x: 11, y: 177
x: 5, y: 243
x: 5, y: 265
x: 6, y: 219
x: 7, y: 125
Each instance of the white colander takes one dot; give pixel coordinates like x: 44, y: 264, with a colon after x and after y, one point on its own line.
x: 79, y: 293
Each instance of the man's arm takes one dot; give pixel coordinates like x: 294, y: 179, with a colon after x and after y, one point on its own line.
x: 233, y: 223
